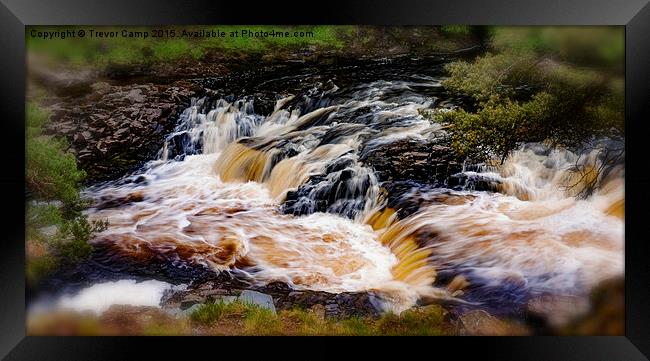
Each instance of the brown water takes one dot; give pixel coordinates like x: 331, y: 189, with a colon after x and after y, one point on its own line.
x: 219, y: 203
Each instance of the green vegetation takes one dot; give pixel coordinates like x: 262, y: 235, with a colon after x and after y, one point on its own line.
x: 100, y: 52
x: 57, y: 231
x: 241, y: 318
x: 562, y: 86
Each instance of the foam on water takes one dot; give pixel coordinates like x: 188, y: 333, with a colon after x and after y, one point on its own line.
x: 100, y: 297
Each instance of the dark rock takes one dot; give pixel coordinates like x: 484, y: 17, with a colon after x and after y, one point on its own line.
x: 189, y: 301
x: 120, y: 201
x: 276, y: 295
x: 432, y: 161
x: 117, y: 128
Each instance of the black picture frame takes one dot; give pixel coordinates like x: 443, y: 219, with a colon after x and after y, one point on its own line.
x: 633, y: 14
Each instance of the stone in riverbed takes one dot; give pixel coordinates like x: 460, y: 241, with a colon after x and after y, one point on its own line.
x: 257, y: 298
x: 428, y: 161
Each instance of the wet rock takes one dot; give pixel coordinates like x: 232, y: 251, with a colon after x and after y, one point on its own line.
x: 120, y: 201
x: 432, y: 161
x: 343, y: 192
x: 212, y: 295
x: 473, y: 181
x: 408, y: 197
x: 116, y: 127
x: 457, y: 285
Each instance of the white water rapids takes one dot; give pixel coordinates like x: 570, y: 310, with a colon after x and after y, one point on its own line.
x: 217, y: 201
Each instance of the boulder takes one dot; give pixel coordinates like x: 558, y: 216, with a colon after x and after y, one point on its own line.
x: 428, y: 161
x: 257, y: 298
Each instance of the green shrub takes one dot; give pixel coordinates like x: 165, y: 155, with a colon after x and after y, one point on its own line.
x: 53, y: 181
x: 71, y: 242
x: 51, y: 172
x: 521, y: 97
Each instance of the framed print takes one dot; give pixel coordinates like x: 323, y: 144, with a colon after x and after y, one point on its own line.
x: 407, y: 169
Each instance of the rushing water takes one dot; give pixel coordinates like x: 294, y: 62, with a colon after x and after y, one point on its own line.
x: 287, y: 196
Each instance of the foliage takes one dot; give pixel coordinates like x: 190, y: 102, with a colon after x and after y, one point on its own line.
x: 71, y: 242
x: 522, y: 94
x: 52, y: 172
x: 600, y: 47
x: 53, y: 182
x: 120, y: 50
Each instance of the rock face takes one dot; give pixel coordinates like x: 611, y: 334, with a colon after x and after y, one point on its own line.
x: 415, y: 160
x: 113, y: 128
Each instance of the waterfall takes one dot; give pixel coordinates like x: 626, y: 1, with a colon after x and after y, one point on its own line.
x: 289, y: 197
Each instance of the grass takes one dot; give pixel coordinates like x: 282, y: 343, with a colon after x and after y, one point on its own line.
x: 96, y: 52
x: 93, y: 51
x: 237, y: 318
x: 247, y: 319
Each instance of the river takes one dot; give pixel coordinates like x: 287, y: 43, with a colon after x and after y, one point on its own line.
x: 287, y: 193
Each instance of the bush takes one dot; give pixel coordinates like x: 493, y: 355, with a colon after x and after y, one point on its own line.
x: 52, y: 172
x: 522, y: 97
x: 53, y: 182
x: 71, y: 242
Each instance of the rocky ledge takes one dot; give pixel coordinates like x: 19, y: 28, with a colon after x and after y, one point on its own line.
x: 112, y: 128
x: 413, y: 159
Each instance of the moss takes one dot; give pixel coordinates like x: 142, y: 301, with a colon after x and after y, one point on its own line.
x: 237, y: 318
